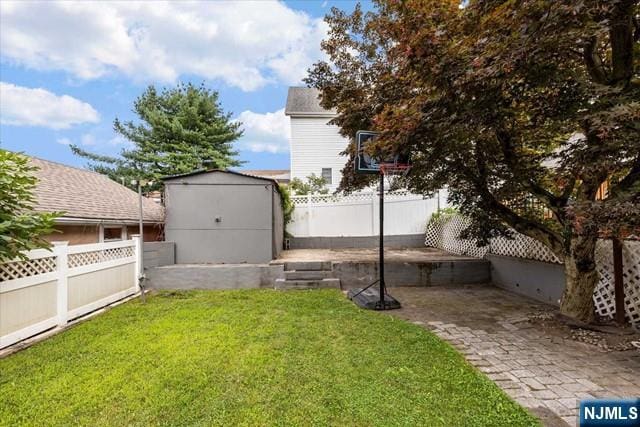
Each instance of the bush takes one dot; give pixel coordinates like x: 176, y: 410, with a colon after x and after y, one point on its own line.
x: 20, y: 227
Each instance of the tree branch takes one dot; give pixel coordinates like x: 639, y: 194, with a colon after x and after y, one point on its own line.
x: 626, y: 184
x: 522, y: 225
x: 593, y: 62
x: 553, y: 202
x: 621, y: 35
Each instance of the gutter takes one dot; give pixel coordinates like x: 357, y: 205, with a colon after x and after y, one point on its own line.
x: 77, y: 221
x: 310, y: 114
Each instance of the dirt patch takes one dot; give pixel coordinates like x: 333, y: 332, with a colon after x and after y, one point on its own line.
x: 605, y: 341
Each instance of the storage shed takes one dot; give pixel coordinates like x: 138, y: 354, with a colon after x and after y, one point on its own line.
x: 218, y: 216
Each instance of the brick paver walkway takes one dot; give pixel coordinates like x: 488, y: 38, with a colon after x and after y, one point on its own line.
x: 537, y: 366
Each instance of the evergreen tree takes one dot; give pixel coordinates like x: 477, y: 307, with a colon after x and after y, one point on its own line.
x: 179, y: 130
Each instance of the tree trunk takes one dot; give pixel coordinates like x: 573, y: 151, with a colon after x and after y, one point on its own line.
x: 581, y: 279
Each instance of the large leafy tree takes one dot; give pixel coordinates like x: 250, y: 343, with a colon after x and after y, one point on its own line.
x: 20, y: 227
x: 179, y: 130
x: 526, y: 110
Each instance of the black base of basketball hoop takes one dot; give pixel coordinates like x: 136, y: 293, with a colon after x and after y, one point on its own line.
x: 369, y: 298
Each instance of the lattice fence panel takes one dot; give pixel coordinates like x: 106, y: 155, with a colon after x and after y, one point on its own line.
x: 354, y: 197
x: 604, y: 295
x: 95, y: 257
x: 444, y: 233
x: 522, y: 246
x: 27, y: 268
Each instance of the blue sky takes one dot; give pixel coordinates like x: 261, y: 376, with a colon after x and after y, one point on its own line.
x: 68, y: 69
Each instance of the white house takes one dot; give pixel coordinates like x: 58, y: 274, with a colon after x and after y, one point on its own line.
x: 315, y: 144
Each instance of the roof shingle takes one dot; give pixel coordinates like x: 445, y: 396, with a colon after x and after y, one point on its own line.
x: 304, y: 101
x: 81, y: 193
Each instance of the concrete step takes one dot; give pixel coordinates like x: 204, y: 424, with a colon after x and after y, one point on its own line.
x: 307, y: 275
x: 282, y: 284
x: 307, y: 266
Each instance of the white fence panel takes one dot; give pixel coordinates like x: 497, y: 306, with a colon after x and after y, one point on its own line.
x: 51, y: 287
x: 358, y: 215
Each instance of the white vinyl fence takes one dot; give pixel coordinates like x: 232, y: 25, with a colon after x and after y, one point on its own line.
x: 54, y: 286
x: 444, y: 233
x: 357, y: 214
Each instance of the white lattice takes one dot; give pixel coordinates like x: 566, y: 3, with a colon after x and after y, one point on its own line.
x: 27, y: 268
x: 94, y: 257
x: 444, y: 233
x: 354, y: 197
x: 522, y: 246
x: 604, y: 295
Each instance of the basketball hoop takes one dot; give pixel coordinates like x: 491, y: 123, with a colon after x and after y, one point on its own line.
x: 395, y: 174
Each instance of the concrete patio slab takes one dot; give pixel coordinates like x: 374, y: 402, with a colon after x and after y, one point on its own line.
x: 369, y: 255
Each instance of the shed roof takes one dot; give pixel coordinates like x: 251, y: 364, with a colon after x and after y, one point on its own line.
x: 207, y: 171
x: 84, y: 194
x: 305, y: 101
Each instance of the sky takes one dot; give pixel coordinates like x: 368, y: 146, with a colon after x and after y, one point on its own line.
x: 68, y: 69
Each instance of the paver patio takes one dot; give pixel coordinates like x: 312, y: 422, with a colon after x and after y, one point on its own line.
x: 539, y: 368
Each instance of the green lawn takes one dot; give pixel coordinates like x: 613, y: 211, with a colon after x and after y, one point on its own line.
x: 255, y: 357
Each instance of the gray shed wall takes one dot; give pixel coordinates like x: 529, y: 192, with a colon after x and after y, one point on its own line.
x: 245, y: 232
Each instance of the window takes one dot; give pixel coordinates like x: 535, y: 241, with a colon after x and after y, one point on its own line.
x: 112, y: 234
x: 326, y: 175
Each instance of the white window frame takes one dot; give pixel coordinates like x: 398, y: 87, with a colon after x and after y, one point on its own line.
x: 123, y: 233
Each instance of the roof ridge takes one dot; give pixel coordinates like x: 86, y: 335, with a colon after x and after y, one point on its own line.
x: 67, y: 166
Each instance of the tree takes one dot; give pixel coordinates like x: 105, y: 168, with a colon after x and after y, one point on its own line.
x: 523, y: 109
x: 180, y: 130
x: 313, y: 185
x: 20, y: 228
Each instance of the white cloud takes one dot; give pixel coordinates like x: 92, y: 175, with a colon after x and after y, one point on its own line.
x: 120, y: 140
x: 63, y: 141
x: 88, y: 139
x: 245, y: 44
x: 268, y: 132
x: 23, y: 106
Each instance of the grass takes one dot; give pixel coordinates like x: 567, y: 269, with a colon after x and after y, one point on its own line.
x: 254, y: 357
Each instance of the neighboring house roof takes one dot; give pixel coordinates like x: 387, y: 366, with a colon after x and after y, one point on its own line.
x: 305, y: 101
x: 280, y: 175
x: 83, y: 194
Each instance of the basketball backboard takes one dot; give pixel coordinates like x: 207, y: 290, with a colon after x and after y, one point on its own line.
x: 366, y: 163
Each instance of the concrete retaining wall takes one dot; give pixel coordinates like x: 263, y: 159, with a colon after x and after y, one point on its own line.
x: 157, y: 254
x: 359, y: 274
x: 541, y: 281
x: 216, y: 276
x: 397, y: 241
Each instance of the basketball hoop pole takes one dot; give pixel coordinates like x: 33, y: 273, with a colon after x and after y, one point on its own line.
x: 381, y: 268
x: 364, y: 163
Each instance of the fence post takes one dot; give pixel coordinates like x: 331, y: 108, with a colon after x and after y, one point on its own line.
x: 373, y: 214
x: 61, y: 250
x: 309, y: 220
x: 618, y: 281
x: 138, y: 251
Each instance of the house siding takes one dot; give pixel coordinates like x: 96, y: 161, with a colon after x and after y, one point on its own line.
x: 315, y: 145
x: 74, y: 234
x: 90, y: 233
